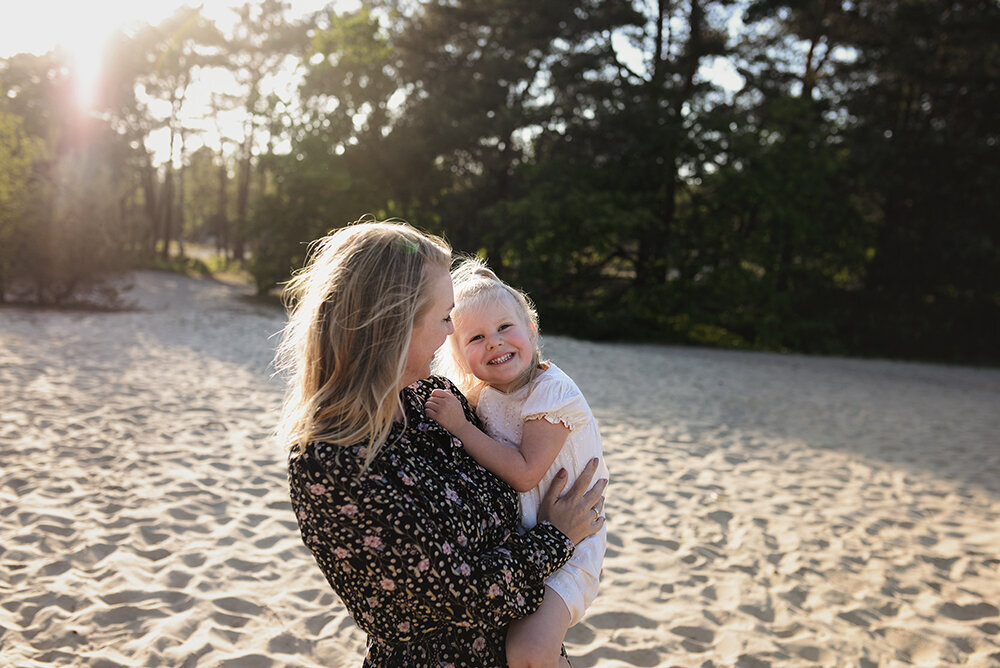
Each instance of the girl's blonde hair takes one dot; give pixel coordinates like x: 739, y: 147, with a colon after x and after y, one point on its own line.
x: 476, y: 286
x: 352, y: 311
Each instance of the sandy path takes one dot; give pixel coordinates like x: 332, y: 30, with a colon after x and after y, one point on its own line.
x: 766, y: 509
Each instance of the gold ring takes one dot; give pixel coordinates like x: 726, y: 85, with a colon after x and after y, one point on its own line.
x: 597, y: 515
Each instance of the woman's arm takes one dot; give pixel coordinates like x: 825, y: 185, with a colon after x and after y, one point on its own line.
x: 493, y: 586
x: 523, y: 467
x: 377, y: 537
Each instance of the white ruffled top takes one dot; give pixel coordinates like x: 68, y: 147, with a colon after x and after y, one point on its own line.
x: 553, y: 396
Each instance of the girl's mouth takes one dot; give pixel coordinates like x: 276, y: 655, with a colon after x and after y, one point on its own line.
x: 503, y: 359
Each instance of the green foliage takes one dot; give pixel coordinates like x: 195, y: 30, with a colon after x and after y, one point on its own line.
x: 60, y: 230
x: 179, y: 265
x: 930, y: 163
x: 18, y: 154
x: 841, y: 200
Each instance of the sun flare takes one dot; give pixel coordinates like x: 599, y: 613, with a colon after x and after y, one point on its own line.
x: 81, y: 31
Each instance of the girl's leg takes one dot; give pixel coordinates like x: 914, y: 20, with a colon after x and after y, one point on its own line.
x: 534, y: 641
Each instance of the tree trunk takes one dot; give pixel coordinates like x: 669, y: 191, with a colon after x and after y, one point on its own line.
x: 221, y: 220
x: 168, y: 211
x: 242, y: 199
x: 151, y: 204
x: 180, y: 210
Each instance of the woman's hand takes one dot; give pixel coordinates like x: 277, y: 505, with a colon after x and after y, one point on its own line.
x: 577, y: 513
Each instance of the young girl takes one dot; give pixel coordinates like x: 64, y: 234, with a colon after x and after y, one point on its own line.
x: 537, y: 422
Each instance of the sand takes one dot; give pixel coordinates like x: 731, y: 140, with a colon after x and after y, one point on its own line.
x: 765, y: 510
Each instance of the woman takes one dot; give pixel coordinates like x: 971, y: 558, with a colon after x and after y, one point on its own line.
x: 419, y: 541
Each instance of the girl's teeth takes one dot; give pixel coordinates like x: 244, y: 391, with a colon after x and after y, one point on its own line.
x: 501, y: 360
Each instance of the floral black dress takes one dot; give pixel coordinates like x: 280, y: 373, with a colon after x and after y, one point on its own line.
x: 422, y: 547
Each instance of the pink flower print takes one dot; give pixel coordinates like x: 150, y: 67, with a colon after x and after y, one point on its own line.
x: 302, y: 514
x: 479, y: 644
x: 318, y: 489
x: 407, y: 480
x: 508, y: 577
x: 404, y: 627
x: 388, y: 584
x: 424, y: 564
x: 457, y: 443
x: 367, y: 617
x: 448, y: 665
x: 341, y: 552
x: 464, y: 569
x: 446, y: 547
x: 451, y: 495
x: 373, y: 542
x: 493, y: 591
x: 519, y: 600
x: 462, y: 540
x: 346, y: 567
x: 349, y: 509
x: 372, y: 601
x: 362, y: 452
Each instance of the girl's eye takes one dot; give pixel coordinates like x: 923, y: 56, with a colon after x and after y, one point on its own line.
x: 506, y: 325
x: 475, y: 338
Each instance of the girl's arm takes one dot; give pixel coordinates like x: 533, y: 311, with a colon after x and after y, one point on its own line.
x: 523, y: 467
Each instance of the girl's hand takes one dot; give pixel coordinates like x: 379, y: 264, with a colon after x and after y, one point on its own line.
x: 446, y: 410
x: 577, y: 513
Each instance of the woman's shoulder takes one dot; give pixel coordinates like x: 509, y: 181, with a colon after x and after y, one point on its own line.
x: 419, y: 392
x: 330, y: 457
x: 422, y: 388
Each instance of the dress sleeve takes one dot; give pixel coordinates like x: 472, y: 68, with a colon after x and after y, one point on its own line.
x: 385, y: 538
x: 492, y: 587
x: 557, y: 400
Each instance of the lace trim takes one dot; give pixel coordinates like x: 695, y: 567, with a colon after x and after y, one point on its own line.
x: 554, y: 419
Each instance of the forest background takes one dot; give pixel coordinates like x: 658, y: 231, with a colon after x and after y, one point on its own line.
x: 840, y: 198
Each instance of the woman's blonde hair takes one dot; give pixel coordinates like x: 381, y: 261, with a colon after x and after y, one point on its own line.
x: 352, y: 311
x: 476, y: 286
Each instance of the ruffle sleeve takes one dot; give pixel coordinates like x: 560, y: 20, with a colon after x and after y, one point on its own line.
x: 556, y: 398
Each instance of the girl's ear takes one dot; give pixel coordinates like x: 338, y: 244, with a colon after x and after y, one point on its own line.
x: 534, y: 331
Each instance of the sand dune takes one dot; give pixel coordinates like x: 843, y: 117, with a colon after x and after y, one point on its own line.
x: 765, y: 510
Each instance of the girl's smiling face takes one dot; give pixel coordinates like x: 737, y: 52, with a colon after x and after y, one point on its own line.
x: 497, y: 343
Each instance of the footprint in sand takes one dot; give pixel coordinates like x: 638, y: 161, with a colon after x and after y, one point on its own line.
x: 968, y: 613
